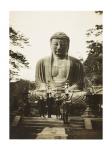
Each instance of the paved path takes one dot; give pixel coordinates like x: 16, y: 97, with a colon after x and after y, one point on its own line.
x: 52, y: 133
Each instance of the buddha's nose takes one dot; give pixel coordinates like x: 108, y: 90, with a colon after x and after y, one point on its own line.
x: 59, y: 47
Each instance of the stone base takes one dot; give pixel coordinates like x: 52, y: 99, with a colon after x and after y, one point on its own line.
x: 16, y: 121
x: 88, y: 123
x: 88, y: 113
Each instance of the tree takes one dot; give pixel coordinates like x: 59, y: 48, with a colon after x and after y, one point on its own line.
x: 93, y: 63
x: 17, y: 59
x: 19, y: 93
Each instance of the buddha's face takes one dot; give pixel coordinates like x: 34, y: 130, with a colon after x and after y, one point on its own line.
x: 59, y: 47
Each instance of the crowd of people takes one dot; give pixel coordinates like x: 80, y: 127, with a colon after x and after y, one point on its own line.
x: 54, y: 106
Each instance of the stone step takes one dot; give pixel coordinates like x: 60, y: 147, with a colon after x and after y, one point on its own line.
x: 43, y: 125
x: 73, y: 129
x: 37, y: 122
x: 78, y: 123
x: 33, y: 127
x: 76, y: 126
x: 52, y: 125
x: 43, y: 121
x: 37, y: 119
x: 75, y: 120
x: 47, y: 124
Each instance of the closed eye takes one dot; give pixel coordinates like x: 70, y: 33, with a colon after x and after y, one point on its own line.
x: 55, y: 44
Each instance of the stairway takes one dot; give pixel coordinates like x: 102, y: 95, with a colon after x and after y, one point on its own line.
x: 40, y: 123
x: 30, y: 127
x: 76, y: 123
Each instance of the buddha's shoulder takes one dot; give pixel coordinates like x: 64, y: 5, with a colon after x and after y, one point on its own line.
x: 44, y: 60
x: 74, y: 60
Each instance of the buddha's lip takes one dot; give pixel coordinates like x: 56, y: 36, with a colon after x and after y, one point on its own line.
x: 58, y: 53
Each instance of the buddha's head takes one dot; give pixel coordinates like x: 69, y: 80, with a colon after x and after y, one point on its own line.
x: 59, y: 43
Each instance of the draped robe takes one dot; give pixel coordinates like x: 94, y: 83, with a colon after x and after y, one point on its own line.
x: 75, y: 73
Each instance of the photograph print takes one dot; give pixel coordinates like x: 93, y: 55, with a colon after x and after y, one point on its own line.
x: 55, y: 74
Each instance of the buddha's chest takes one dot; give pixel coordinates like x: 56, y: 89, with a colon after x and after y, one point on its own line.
x: 60, y: 70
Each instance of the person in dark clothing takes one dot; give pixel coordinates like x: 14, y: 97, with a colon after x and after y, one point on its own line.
x: 58, y: 104
x: 66, y: 109
x: 49, y: 104
x: 42, y: 105
x: 27, y: 108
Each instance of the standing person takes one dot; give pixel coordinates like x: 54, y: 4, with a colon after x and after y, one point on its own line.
x: 49, y: 104
x: 42, y: 105
x: 66, y: 108
x: 58, y: 104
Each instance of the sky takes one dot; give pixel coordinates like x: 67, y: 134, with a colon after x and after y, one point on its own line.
x: 39, y: 27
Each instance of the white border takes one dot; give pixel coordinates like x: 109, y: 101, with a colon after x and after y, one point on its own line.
x: 36, y: 5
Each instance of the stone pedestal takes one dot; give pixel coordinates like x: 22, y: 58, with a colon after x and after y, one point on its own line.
x: 88, y: 113
x: 16, y: 121
x: 88, y: 123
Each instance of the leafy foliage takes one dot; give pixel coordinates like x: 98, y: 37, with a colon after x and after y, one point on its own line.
x: 19, y: 91
x: 17, y: 59
x: 93, y: 63
x: 97, y: 31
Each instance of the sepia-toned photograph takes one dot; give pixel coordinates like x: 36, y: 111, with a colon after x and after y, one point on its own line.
x: 55, y: 75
